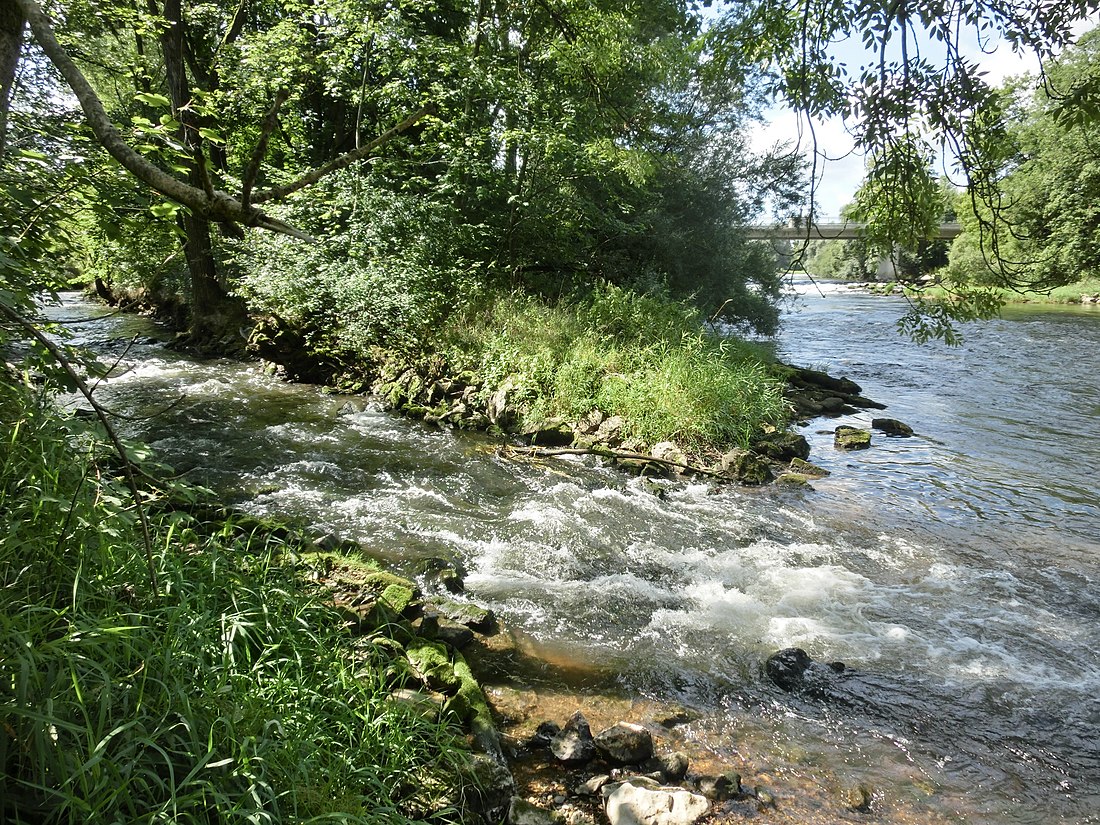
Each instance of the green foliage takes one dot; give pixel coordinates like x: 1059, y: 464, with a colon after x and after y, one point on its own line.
x: 386, y: 271
x: 1044, y: 231
x: 643, y: 358
x: 229, y: 696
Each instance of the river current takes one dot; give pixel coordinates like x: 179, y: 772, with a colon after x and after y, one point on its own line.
x: 956, y: 572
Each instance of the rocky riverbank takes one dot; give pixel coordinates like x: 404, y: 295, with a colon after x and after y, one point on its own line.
x: 544, y: 752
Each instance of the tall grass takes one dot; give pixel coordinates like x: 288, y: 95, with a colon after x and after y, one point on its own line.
x: 228, y: 696
x: 646, y: 359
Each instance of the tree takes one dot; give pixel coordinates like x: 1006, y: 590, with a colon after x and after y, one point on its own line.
x: 916, y: 95
x: 192, y: 184
x: 1044, y: 231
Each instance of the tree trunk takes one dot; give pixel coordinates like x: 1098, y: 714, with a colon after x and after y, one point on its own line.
x: 12, y: 23
x: 215, y: 315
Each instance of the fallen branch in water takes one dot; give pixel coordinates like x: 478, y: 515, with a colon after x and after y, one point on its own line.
x: 607, y: 452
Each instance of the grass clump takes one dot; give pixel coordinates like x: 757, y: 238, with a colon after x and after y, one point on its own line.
x: 647, y: 359
x: 228, y: 695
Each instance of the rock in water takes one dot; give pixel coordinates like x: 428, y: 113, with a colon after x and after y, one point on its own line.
x: 787, y: 668
x: 574, y: 744
x: 851, y: 438
x: 631, y: 805
x: 625, y: 743
x: 891, y: 426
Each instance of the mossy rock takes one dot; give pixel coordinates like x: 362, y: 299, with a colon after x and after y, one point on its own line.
x: 399, y: 598
x: 432, y: 663
x: 793, y: 479
x: 782, y: 446
x: 805, y: 468
x: 378, y: 580
x: 469, y: 615
x: 851, y: 438
x: 751, y: 469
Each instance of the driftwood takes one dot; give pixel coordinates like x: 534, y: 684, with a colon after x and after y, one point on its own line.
x: 607, y: 452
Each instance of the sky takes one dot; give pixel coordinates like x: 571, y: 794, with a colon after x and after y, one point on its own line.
x: 841, y: 173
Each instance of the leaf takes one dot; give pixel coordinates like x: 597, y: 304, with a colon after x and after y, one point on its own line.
x: 154, y: 100
x: 168, y: 209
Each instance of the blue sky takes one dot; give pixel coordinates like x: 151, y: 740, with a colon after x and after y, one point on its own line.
x: 840, y: 175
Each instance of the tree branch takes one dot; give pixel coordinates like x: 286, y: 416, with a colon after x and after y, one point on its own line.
x: 217, y: 206
x: 271, y: 120
x: 344, y: 160
x: 607, y: 452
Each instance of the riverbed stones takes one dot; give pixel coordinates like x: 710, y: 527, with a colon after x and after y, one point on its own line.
x: 673, y: 766
x: 625, y: 743
x: 720, y: 788
x: 629, y: 803
x: 574, y: 744
x: 523, y: 812
x: 891, y: 426
x: 851, y: 438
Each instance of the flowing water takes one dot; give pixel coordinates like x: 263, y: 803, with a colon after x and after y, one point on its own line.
x: 955, y: 572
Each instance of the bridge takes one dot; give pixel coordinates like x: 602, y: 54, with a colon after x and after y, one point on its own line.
x: 831, y: 230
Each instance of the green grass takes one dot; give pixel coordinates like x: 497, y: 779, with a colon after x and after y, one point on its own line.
x: 1068, y: 294
x: 229, y: 695
x: 643, y: 358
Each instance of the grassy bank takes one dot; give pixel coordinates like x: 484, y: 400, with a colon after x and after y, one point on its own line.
x: 222, y: 692
x: 643, y: 358
x: 1068, y: 294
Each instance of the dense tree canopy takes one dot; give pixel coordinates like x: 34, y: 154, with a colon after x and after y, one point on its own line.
x: 431, y: 145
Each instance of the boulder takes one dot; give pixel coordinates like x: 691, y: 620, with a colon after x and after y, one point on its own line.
x: 787, y: 667
x: 891, y: 426
x: 748, y: 468
x: 629, y: 804
x: 487, y: 790
x: 499, y: 407
x: 610, y: 430
x: 592, y: 786
x: 480, y: 619
x: 792, y: 669
x: 625, y: 743
x: 782, y: 446
x: 673, y: 766
x: 667, y: 451
x: 851, y: 438
x: 574, y: 744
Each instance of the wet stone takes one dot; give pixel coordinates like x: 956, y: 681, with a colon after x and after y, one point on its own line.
x: 575, y: 743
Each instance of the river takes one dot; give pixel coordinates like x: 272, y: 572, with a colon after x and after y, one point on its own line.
x: 954, y: 572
